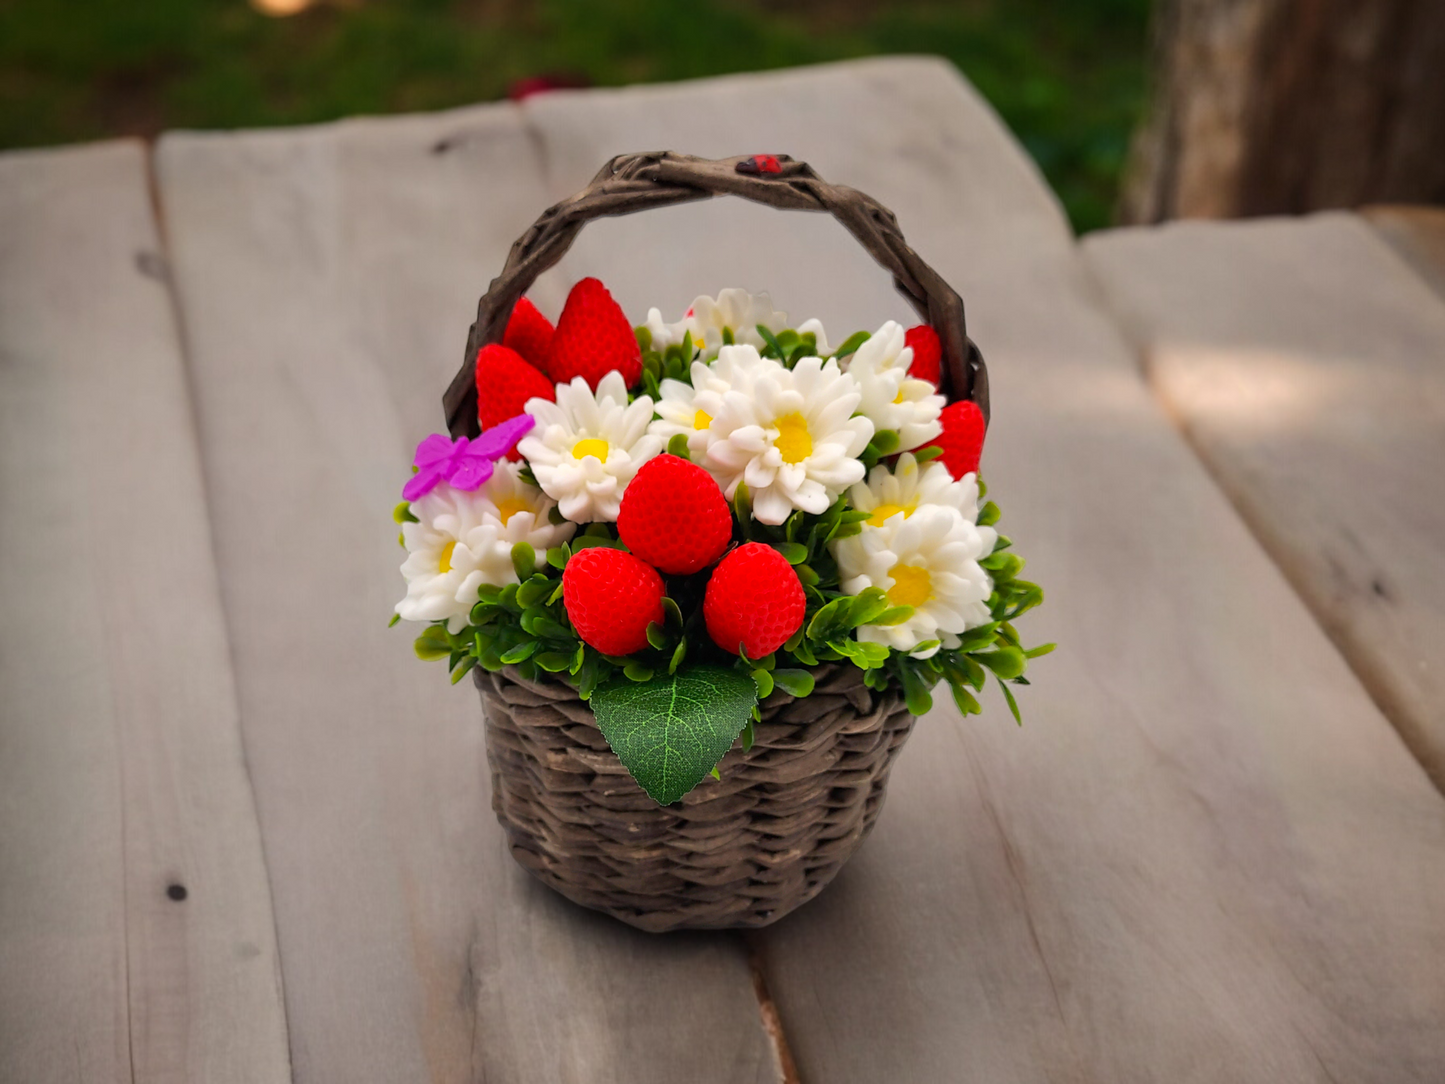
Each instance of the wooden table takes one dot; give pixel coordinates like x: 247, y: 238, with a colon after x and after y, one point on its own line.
x: 245, y: 836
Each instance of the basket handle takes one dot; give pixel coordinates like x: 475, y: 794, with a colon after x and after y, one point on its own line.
x: 638, y: 182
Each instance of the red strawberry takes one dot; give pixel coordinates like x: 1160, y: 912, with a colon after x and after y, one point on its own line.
x: 504, y: 384
x: 529, y: 333
x: 962, y: 437
x: 753, y: 599
x: 611, y: 596
x: 674, y: 516
x: 927, y: 353
x: 593, y: 337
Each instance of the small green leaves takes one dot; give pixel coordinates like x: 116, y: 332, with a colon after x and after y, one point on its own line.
x: 677, y: 445
x: 797, y: 683
x: 394, y: 619
x: 402, y: 513
x: 1013, y: 705
x: 433, y: 643
x: 1006, y: 662
x: 851, y: 344
x: 670, y: 732
x: 793, y: 551
x: 524, y: 559
x: 763, y: 679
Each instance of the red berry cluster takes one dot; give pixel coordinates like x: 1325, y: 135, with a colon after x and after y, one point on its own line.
x: 591, y: 338
x: 675, y: 520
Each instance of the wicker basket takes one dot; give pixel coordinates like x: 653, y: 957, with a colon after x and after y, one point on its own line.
x: 766, y: 838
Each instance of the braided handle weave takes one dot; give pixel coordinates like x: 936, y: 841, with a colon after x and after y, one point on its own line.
x: 638, y: 182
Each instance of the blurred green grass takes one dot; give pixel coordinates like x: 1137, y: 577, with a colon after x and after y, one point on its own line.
x: 1066, y: 75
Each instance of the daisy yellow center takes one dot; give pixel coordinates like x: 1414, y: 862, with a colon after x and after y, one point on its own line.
x: 701, y: 420
x: 590, y: 446
x: 911, y: 586
x: 444, y: 562
x: 510, y: 507
x: 794, y: 442
x: 883, y: 511
x: 899, y: 397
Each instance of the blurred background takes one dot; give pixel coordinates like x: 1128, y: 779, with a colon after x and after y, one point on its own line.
x: 1256, y: 106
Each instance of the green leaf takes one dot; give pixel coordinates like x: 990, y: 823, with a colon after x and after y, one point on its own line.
x: 671, y: 731
x: 554, y: 662
x: 915, y: 691
x: 743, y: 507
x: 677, y: 656
x: 1006, y: 662
x: 885, y: 441
x: 557, y: 555
x: 394, y: 619
x: 927, y: 454
x: 534, y: 591
x: 772, y: 343
x: 402, y: 513
x: 988, y: 514
x: 895, y: 615
x: 464, y: 669
x: 795, y: 552
x: 749, y: 736
x: 524, y: 560
x: 677, y: 446
x: 656, y: 635
x: 763, y: 679
x: 964, y: 699
x: 520, y: 652
x: 797, y: 683
x: 636, y: 671
x: 851, y: 344
x: 433, y: 643
x: 715, y: 773
x: 644, y: 338
x: 1013, y: 705
x: 1040, y: 651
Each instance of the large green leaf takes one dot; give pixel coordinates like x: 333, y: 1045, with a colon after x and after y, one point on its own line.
x: 670, y: 731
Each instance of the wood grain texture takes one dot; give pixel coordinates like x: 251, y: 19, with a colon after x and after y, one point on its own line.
x: 1306, y: 362
x: 327, y: 276
x: 1206, y: 856
x: 121, y: 771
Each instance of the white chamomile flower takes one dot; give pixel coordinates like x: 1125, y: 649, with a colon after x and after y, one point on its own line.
x: 735, y: 311
x: 664, y: 334
x: 790, y: 435
x: 689, y: 408
x: 587, y: 447
x: 911, y: 485
x: 927, y: 560
x: 891, y: 398
x: 462, y: 540
x: 820, y: 337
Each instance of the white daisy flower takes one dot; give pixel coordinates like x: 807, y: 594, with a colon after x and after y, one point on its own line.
x: 733, y: 310
x: 689, y: 408
x: 820, y: 337
x: 790, y: 434
x: 891, y: 398
x: 927, y: 560
x: 664, y: 334
x: 463, y: 540
x: 587, y: 447
x: 909, y: 486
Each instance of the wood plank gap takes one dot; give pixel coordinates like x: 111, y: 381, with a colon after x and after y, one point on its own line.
x: 768, y: 1010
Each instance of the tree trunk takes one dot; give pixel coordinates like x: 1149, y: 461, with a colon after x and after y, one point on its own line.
x: 1288, y: 106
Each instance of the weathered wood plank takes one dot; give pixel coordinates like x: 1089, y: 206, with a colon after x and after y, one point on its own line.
x: 327, y: 278
x: 1307, y: 365
x: 1205, y: 856
x: 1417, y: 234
x: 121, y: 767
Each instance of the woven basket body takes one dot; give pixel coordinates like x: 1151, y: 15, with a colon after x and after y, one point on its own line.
x: 742, y: 851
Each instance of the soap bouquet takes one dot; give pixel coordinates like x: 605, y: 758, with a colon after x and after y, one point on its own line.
x: 678, y: 519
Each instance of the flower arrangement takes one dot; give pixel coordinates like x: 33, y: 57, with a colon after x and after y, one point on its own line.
x: 677, y: 519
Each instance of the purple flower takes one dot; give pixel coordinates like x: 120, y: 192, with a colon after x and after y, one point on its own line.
x: 464, y: 463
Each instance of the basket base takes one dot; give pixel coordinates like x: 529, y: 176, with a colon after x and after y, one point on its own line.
x: 736, y: 853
